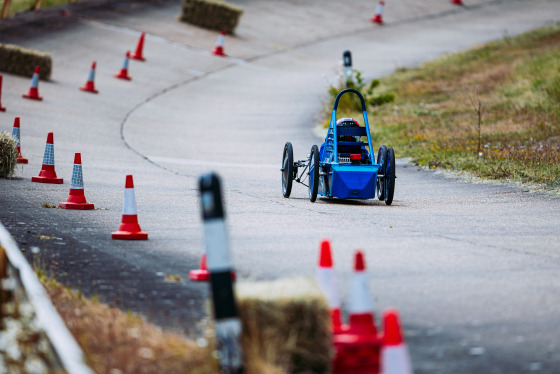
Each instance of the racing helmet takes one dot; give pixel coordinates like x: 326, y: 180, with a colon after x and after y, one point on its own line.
x: 348, y: 122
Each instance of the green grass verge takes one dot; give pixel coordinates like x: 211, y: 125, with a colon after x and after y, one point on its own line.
x: 434, y: 119
x: 22, y: 5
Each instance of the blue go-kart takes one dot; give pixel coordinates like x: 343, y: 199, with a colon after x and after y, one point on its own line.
x: 344, y: 166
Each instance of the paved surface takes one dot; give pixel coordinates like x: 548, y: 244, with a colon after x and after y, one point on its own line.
x: 472, y: 268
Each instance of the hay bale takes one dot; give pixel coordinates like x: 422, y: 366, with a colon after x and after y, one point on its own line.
x: 22, y: 61
x: 8, y: 154
x: 286, y: 326
x: 211, y: 14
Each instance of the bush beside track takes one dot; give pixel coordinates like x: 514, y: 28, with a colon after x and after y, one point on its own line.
x: 211, y: 14
x: 22, y: 61
x: 434, y: 118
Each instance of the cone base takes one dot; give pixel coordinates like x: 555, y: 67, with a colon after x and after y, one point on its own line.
x: 199, y: 275
x: 138, y: 57
x: 219, y: 51
x: 22, y: 160
x: 40, y: 179
x: 124, y: 76
x: 129, y: 235
x: 457, y: 2
x: 32, y: 97
x: 2, y: 109
x: 78, y: 206
x: 88, y: 89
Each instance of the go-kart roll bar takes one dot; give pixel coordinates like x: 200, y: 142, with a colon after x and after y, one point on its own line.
x: 366, y: 123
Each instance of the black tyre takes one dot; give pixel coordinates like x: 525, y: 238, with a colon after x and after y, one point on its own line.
x: 287, y: 169
x: 390, y: 177
x: 313, y: 173
x: 382, y: 161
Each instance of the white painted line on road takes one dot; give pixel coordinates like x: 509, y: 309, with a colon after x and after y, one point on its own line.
x: 186, y: 161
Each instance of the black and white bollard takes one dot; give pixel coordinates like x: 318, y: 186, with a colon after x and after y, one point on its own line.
x: 227, y: 322
x: 347, y: 59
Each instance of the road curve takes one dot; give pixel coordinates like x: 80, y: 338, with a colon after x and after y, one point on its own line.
x: 471, y: 267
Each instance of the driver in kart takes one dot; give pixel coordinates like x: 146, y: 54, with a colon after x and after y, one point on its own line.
x: 341, y: 122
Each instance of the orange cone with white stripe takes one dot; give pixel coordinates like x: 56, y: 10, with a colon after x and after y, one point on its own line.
x: 201, y: 274
x: 33, y: 93
x: 16, y: 136
x: 358, y: 346
x: 90, y: 84
x: 395, y: 358
x: 360, y: 308
x: 137, y: 55
x: 2, y: 109
x: 76, y: 198
x: 326, y: 280
x: 378, y: 16
x: 123, y: 74
x: 129, y: 228
x: 47, y: 173
x: 219, y: 50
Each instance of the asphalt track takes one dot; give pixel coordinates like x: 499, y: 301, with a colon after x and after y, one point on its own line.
x: 473, y: 268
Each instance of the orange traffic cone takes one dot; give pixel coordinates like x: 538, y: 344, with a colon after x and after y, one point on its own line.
x: 33, y: 93
x: 360, y: 308
x: 358, y: 347
x: 90, y: 84
x: 76, y: 198
x: 219, y: 50
x: 201, y: 274
x: 378, y: 16
x: 325, y: 278
x: 2, y: 109
x: 457, y: 2
x: 16, y: 136
x: 395, y: 358
x: 123, y: 74
x: 47, y: 173
x: 129, y: 228
x: 139, y: 48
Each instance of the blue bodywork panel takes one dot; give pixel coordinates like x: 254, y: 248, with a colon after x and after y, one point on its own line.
x: 348, y: 181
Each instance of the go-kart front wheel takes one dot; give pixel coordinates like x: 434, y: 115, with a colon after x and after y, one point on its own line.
x: 287, y: 169
x: 313, y: 173
x: 390, y: 176
x: 382, y: 162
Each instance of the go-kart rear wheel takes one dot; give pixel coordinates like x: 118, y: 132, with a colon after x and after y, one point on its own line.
x: 313, y: 173
x: 390, y: 177
x: 382, y: 162
x: 287, y: 169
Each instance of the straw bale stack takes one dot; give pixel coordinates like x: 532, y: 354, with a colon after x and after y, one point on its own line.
x: 286, y: 326
x: 211, y: 14
x: 22, y: 61
x: 8, y: 154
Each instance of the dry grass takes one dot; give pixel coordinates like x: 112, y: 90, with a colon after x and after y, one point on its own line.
x: 286, y: 329
x: 119, y: 343
x: 8, y: 155
x: 517, y: 80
